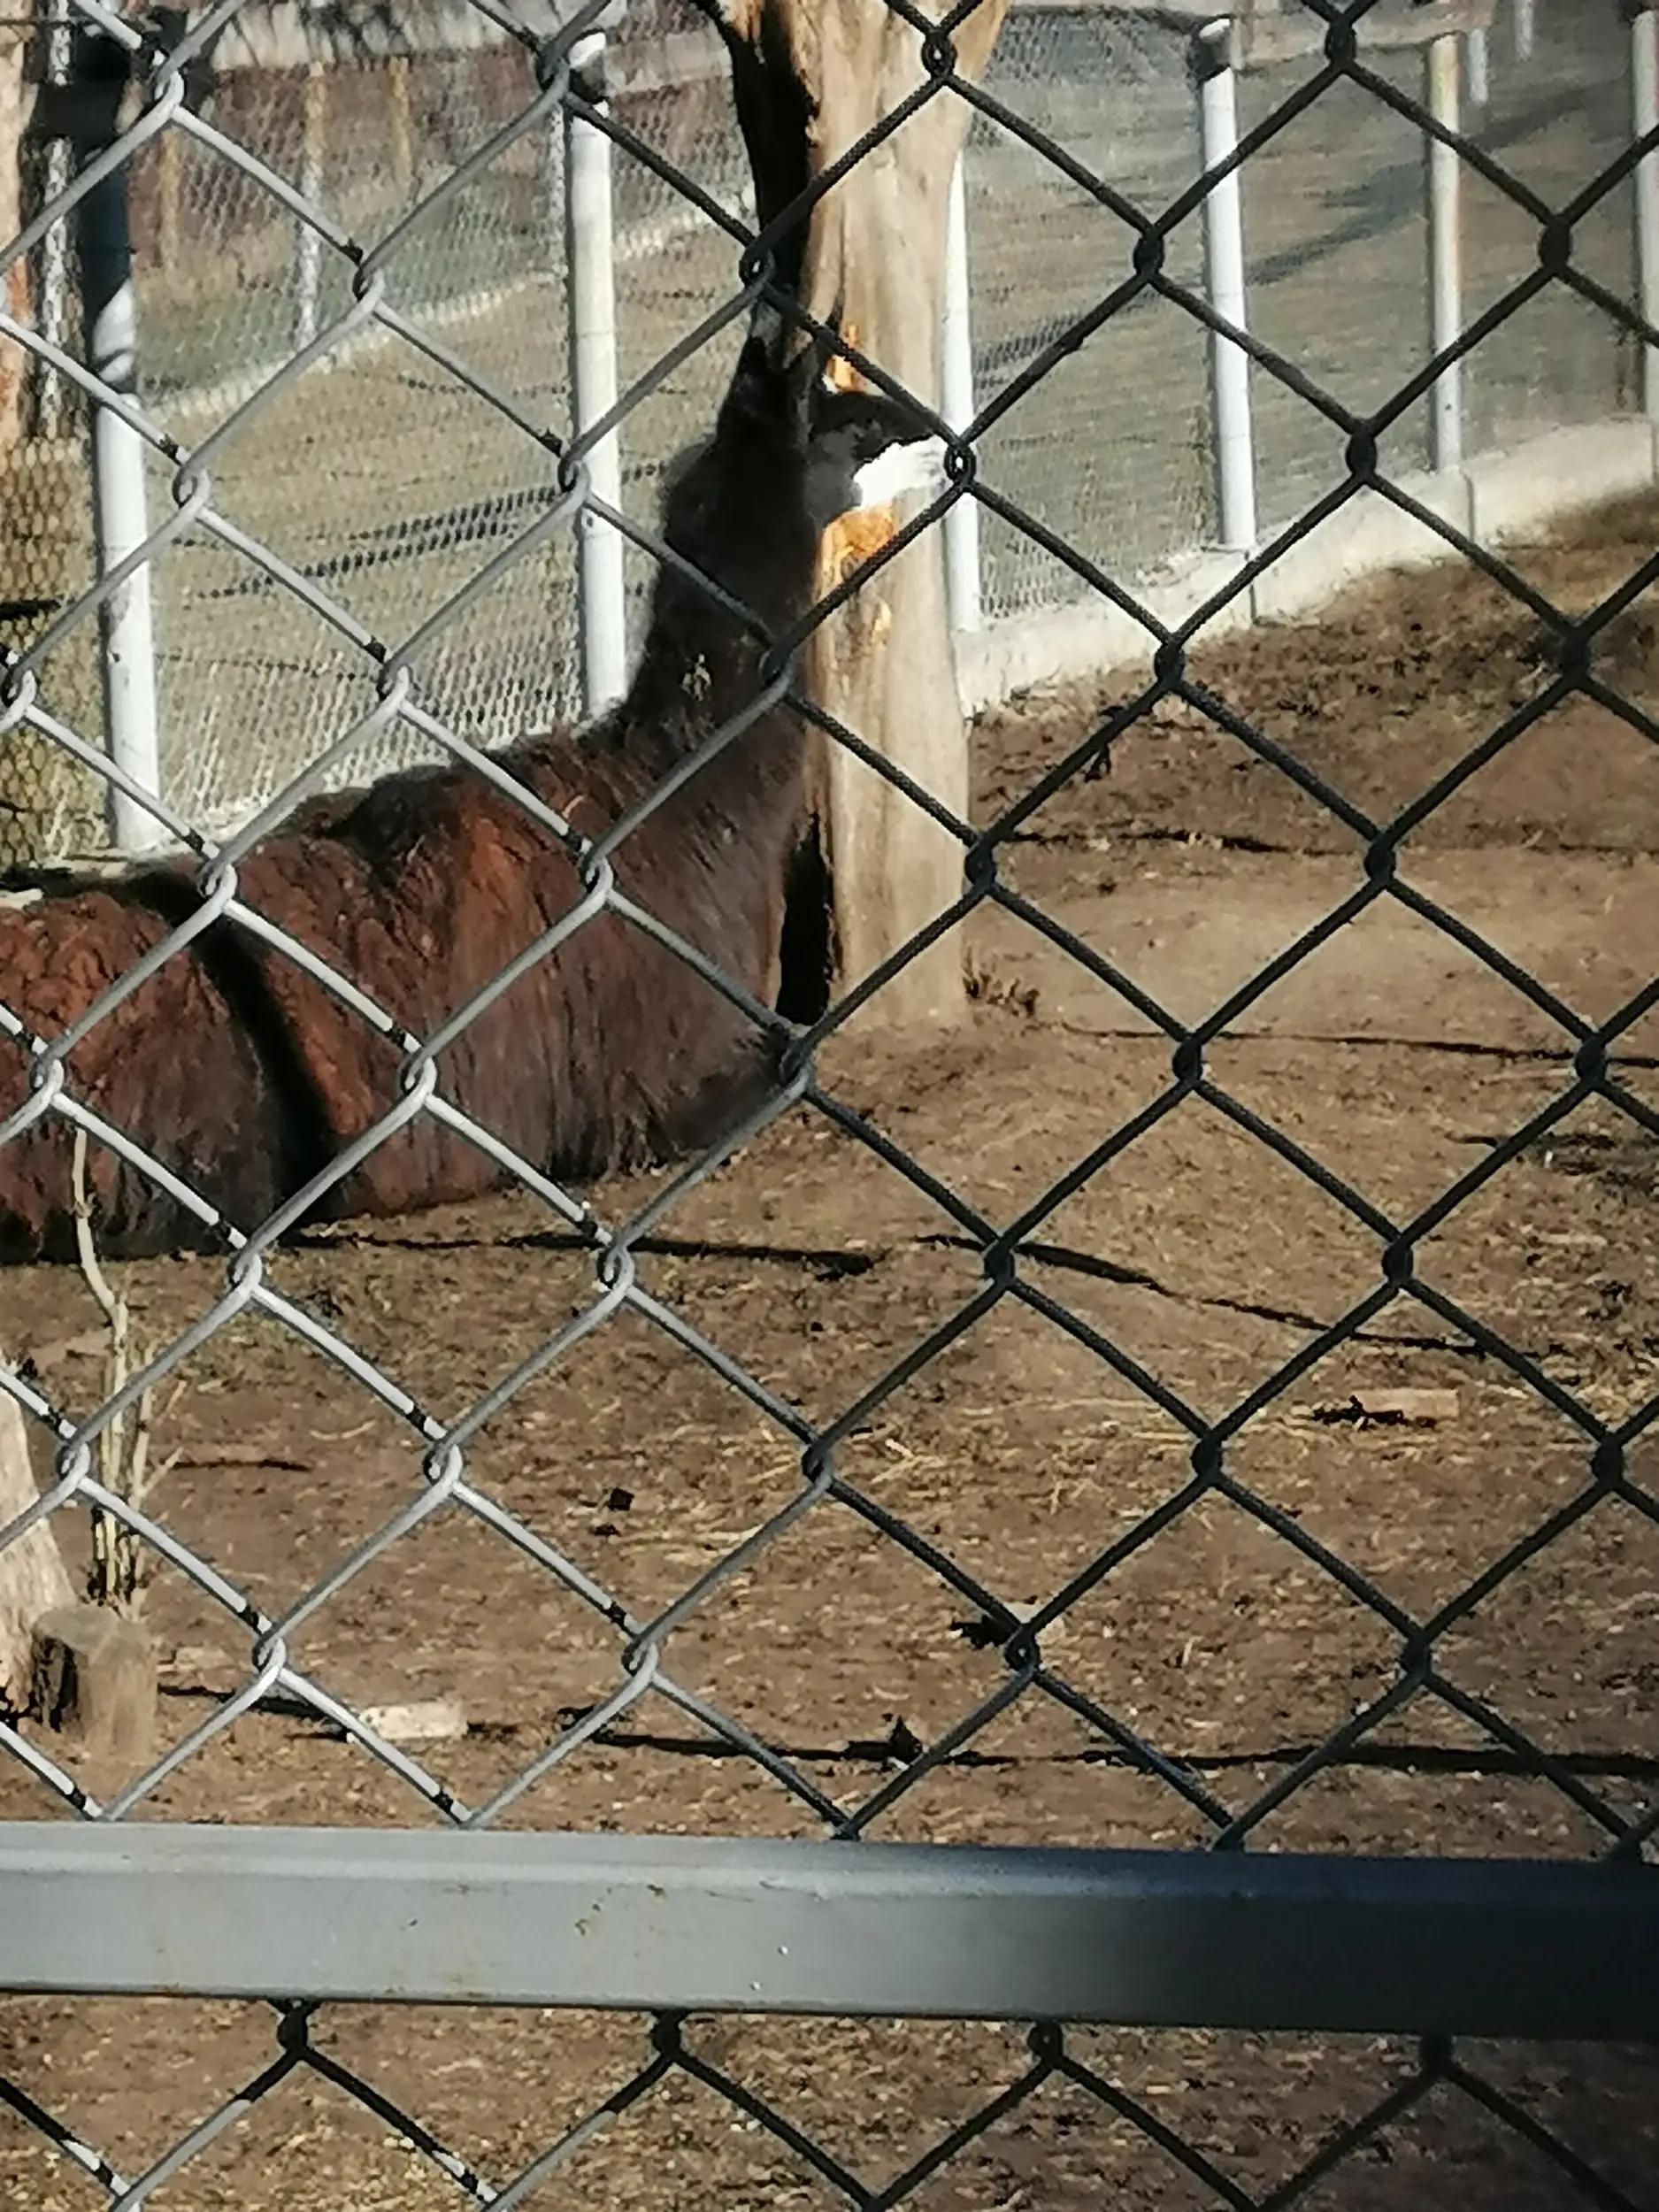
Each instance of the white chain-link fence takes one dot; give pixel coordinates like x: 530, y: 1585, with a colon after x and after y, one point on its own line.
x: 1338, y: 274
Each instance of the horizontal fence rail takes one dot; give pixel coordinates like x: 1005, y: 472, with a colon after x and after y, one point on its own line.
x: 682, y: 1925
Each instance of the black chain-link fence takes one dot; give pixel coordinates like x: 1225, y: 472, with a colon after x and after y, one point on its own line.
x: 1206, y: 1401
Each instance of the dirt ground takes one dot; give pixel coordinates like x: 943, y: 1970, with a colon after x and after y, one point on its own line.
x: 1208, y: 1261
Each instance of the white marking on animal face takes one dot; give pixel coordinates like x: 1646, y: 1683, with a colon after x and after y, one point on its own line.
x: 899, y: 470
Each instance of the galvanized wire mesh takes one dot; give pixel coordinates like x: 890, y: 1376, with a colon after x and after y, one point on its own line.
x: 421, y: 480
x: 365, y: 696
x: 1555, y: 113
x: 228, y: 282
x: 45, y: 529
x: 1115, y: 92
x: 1337, y: 242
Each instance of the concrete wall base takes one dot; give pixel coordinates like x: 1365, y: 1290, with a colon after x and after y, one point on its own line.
x: 1490, y: 498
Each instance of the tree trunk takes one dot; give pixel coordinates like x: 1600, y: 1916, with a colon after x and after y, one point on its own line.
x: 14, y: 284
x: 811, y: 78
x: 33, y: 1578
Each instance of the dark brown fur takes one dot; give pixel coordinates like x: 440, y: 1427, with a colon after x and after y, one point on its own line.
x: 236, y: 1070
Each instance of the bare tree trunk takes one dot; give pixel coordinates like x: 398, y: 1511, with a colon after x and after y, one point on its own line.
x: 33, y: 1579
x: 811, y: 78
x: 11, y: 223
x: 14, y: 284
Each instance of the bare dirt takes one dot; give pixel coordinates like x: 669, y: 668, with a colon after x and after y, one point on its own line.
x: 1162, y: 1293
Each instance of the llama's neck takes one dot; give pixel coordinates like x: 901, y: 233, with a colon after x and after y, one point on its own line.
x: 738, y: 516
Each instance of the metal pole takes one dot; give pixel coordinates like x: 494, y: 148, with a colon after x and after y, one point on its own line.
x: 308, y: 254
x: 1480, y: 69
x: 1224, y: 276
x: 1446, y: 280
x: 552, y: 175
x: 590, y: 261
x: 1524, y: 25
x: 1320, y: 1943
x: 962, y: 524
x: 54, y: 277
x: 401, y: 116
x: 1644, y: 32
x: 120, y: 522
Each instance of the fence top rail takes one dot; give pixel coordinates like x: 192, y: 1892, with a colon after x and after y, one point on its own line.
x: 1326, y: 1943
x: 1268, y: 31
x: 285, y: 37
x: 289, y: 34
x: 276, y: 34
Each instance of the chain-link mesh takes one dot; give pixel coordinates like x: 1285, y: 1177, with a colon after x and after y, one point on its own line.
x: 1560, y: 113
x: 422, y: 479
x: 46, y: 555
x: 829, y: 2116
x: 227, y: 283
x: 1115, y: 92
x: 1231, y: 1444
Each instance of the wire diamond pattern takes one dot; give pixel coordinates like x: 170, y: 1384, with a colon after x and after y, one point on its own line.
x: 643, y: 1641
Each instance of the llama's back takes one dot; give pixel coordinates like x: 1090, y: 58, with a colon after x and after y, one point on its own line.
x: 245, y: 1075
x: 203, y: 1095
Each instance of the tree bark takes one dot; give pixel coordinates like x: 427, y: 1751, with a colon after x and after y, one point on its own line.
x: 811, y: 78
x: 14, y: 284
x: 33, y: 1579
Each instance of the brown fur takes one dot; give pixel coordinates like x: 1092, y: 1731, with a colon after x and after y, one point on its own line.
x: 243, y: 1075
x: 237, y: 1071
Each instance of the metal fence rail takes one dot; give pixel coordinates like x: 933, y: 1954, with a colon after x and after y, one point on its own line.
x: 683, y: 1924
x: 1222, y: 1938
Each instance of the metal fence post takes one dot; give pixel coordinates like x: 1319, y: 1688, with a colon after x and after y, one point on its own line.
x: 401, y: 119
x: 54, y: 265
x: 1446, y: 278
x: 121, y: 521
x: 1225, y: 277
x: 1644, y: 32
x: 962, y: 524
x: 550, y: 176
x: 1480, y: 69
x: 307, y: 252
x: 590, y: 250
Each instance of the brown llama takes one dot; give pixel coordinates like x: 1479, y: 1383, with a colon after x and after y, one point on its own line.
x: 245, y: 1077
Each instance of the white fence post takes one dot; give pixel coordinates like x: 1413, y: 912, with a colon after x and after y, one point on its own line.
x: 551, y: 176
x: 120, y: 522
x: 1524, y: 26
x: 54, y: 268
x: 590, y: 261
x: 1644, y: 31
x: 1445, y: 276
x: 1225, y: 277
x: 956, y: 403
x: 308, y: 247
x: 1480, y: 69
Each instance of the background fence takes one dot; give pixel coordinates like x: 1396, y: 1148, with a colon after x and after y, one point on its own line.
x: 389, y: 485
x: 1203, y: 1420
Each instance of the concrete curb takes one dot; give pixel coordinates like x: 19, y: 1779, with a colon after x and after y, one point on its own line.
x: 1489, y: 498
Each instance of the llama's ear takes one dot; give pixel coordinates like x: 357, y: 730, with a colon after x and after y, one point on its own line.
x: 754, y: 381
x: 833, y: 373
x: 817, y: 368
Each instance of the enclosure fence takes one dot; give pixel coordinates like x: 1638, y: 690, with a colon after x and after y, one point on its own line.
x: 94, y: 1899
x: 1344, y: 241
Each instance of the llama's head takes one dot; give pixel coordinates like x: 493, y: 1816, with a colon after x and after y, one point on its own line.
x: 857, y: 451
x: 800, y: 483
x: 865, y: 453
